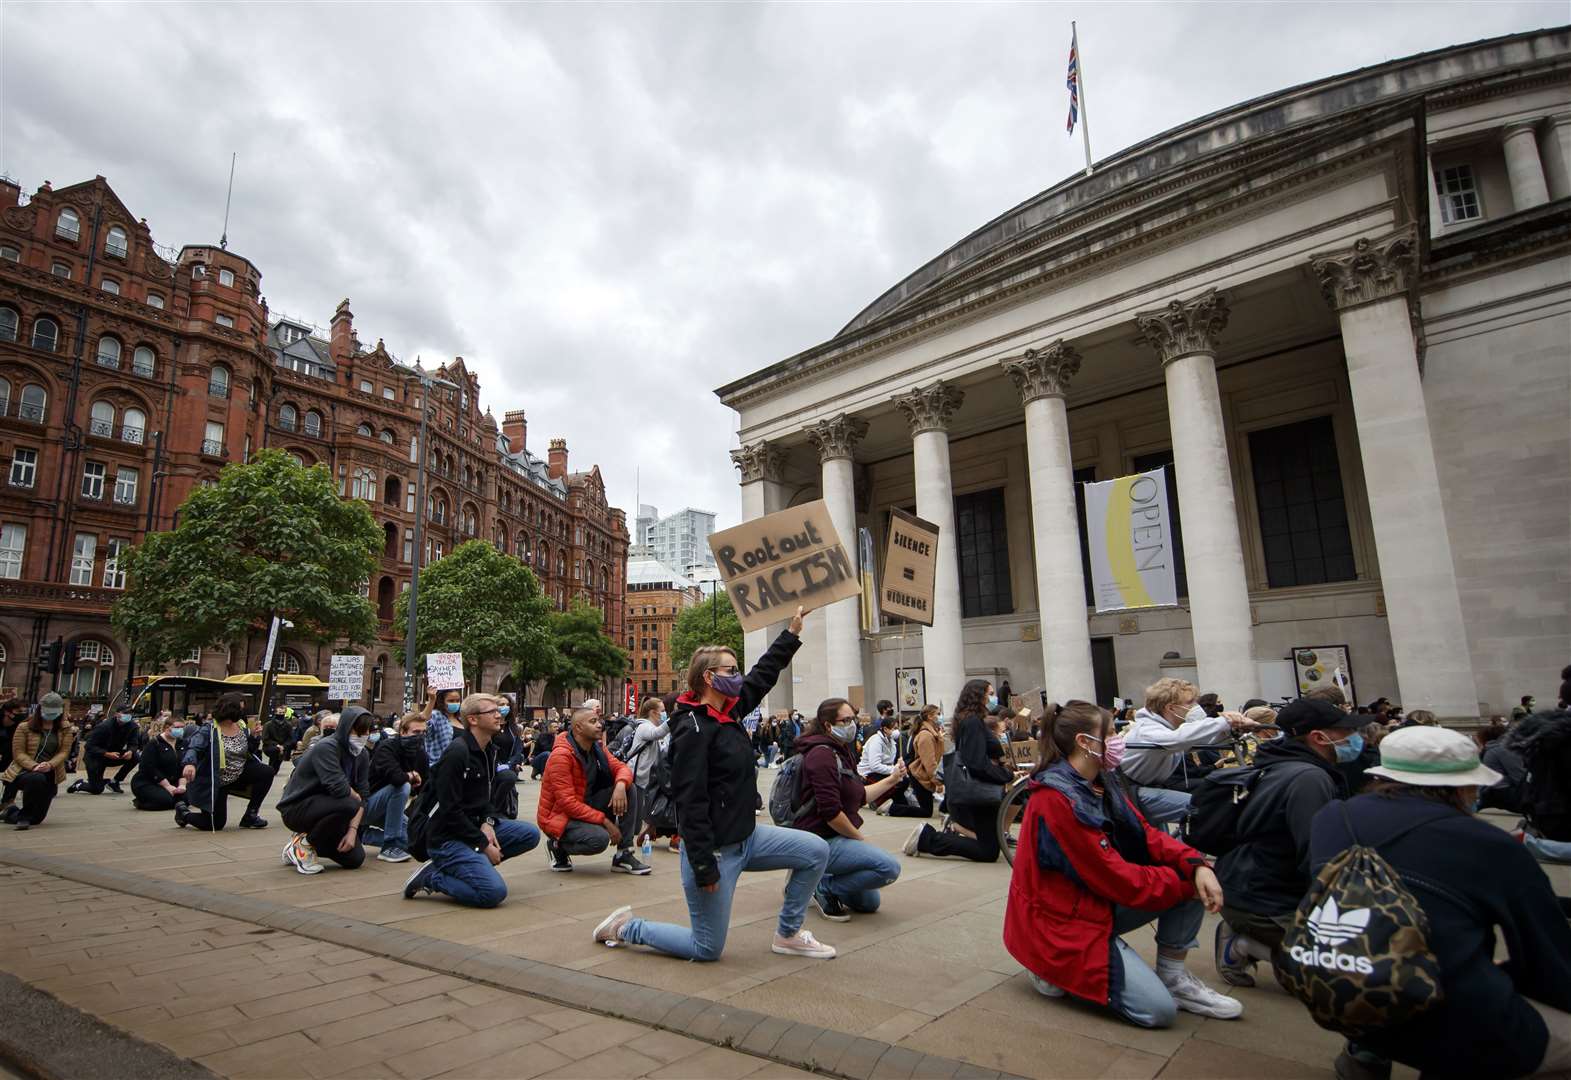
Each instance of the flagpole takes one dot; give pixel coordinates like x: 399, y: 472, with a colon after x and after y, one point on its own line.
x: 1085, y: 110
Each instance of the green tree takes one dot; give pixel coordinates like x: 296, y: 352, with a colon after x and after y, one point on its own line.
x: 484, y: 604
x: 269, y: 538
x: 585, y: 656
x: 713, y: 622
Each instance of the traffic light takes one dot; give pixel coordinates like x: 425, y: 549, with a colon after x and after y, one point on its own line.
x: 68, y: 659
x: 49, y: 659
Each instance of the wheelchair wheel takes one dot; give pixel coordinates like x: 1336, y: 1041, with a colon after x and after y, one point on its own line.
x: 1010, y: 813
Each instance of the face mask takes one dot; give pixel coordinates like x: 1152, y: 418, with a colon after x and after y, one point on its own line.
x: 1112, y: 751
x: 452, y: 707
x: 505, y: 710
x: 992, y: 702
x: 375, y: 737
x: 356, y: 744
x: 1349, y: 748
x: 126, y: 718
x: 727, y: 685
x: 176, y: 732
x: 844, y: 732
x: 412, y: 741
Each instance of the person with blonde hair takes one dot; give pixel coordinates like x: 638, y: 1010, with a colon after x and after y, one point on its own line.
x: 1169, y: 726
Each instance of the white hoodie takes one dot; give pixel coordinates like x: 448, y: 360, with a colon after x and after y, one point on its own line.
x: 879, y: 753
x: 1153, y: 766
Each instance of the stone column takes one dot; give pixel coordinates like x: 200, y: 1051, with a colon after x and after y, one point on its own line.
x: 1368, y: 285
x: 835, y: 440
x: 1042, y: 377
x: 762, y: 466
x: 928, y: 411
x: 1528, y: 188
x: 1556, y: 152
x: 1184, y: 335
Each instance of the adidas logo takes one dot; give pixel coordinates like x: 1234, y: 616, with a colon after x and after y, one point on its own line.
x: 1331, y: 927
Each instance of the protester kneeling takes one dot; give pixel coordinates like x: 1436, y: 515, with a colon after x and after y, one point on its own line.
x: 465, y: 839
x: 324, y: 801
x: 1089, y: 868
x: 398, y: 771
x: 220, y: 758
x: 584, y: 799
x: 828, y: 800
x: 158, y: 784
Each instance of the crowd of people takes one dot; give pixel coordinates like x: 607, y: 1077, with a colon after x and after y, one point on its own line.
x: 1160, y: 814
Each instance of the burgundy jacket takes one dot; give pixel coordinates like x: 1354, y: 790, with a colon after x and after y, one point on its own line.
x: 831, y: 793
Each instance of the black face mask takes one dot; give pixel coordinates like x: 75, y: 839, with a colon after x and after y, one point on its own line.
x: 412, y: 741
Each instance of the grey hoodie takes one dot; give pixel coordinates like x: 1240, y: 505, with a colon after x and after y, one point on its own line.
x: 1147, y: 766
x: 321, y: 770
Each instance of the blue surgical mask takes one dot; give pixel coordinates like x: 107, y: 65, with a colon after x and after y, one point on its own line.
x: 126, y: 718
x: 452, y: 707
x: 1348, y: 749
x: 992, y: 702
x: 375, y: 737
x: 728, y: 685
x: 505, y: 710
x: 176, y: 732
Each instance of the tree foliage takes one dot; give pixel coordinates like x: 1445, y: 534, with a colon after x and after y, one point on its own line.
x: 713, y: 622
x: 484, y: 604
x: 270, y: 537
x: 585, y: 656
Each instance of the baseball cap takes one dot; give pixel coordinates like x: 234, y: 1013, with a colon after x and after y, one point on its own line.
x: 1310, y: 714
x: 51, y: 705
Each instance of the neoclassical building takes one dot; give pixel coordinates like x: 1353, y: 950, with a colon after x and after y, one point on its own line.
x: 1339, y: 316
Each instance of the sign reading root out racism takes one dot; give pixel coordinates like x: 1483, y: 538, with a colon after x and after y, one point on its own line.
x: 910, y: 565
x: 774, y: 564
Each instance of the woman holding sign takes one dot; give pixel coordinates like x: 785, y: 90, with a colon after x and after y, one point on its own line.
x: 715, y: 777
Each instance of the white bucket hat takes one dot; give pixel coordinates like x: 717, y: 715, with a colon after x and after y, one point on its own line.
x: 1432, y: 757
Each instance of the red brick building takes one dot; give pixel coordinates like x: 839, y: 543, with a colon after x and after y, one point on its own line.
x: 129, y: 374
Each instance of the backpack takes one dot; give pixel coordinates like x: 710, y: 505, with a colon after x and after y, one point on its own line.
x: 1358, y: 951
x: 787, y: 804
x: 417, y: 821
x: 622, y: 742
x: 1544, y: 741
x: 1211, y: 824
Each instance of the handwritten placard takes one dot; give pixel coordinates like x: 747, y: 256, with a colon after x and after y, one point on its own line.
x: 346, y: 677
x: 444, y: 670
x: 910, y: 565
x: 773, y: 564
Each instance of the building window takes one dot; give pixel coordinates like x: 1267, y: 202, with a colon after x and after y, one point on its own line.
x: 68, y: 226
x: 365, y: 430
x: 224, y: 320
x: 46, y: 334
x: 101, y: 420
x: 213, y: 439
x: 144, y: 361
x: 313, y: 423
x: 133, y: 426
x: 226, y: 278
x: 983, y: 540
x: 60, y: 270
x: 35, y: 403
x: 387, y: 393
x: 93, y: 480
x: 110, y: 286
x: 24, y: 467
x: 10, y: 254
x: 125, y: 486
x: 9, y: 321
x: 366, y: 387
x: 108, y: 352
x: 114, y: 571
x: 117, y: 243
x: 1303, y: 517
x: 1163, y: 459
x: 82, y: 553
x: 13, y: 542
x: 155, y: 300
x: 409, y: 545
x: 218, y: 381
x: 386, y: 436
x: 1458, y: 195
x: 363, y: 485
x: 288, y: 417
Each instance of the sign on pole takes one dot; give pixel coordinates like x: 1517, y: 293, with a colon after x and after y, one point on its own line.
x: 910, y: 566
x: 272, y: 643
x: 444, y: 671
x: 346, y: 677
x: 1129, y: 531
x: 772, y: 564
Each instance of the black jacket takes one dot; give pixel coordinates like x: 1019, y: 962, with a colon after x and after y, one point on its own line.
x: 1268, y: 872
x: 392, y: 762
x: 461, y: 793
x: 159, y: 761
x: 113, y: 737
x: 973, y: 746
x: 279, y: 731
x: 713, y: 769
x: 203, y: 748
x: 1469, y: 877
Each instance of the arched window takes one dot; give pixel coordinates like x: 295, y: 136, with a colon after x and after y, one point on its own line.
x: 117, y: 243
x: 5, y: 397
x: 605, y: 581
x: 144, y: 361
x: 561, y: 565
x: 9, y: 320
x: 288, y: 416
x: 313, y: 422
x: 363, y: 483
x: 543, y: 557
x: 438, y: 509
x: 389, y: 541
x: 365, y: 429
x: 289, y: 663
x: 385, y: 592
x: 501, y: 538
x: 103, y: 420
x: 469, y: 521
x: 95, y: 669
x: 386, y: 436
x: 300, y: 461
x: 46, y: 334
x: 35, y: 403
x: 68, y: 226
x: 469, y: 477
x: 133, y: 426
x: 391, y: 491
x: 218, y: 381
x: 108, y: 351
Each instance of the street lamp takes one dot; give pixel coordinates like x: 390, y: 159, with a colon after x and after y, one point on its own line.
x: 426, y: 383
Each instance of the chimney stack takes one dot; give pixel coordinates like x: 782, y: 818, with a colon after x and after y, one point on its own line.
x: 516, y: 427
x: 556, y: 460
x: 342, y: 342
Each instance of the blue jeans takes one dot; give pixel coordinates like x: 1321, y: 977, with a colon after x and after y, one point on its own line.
x: 467, y: 876
x: 385, y: 809
x: 1163, y: 805
x: 1552, y: 851
x: 856, y: 871
x: 769, y: 848
x: 1142, y: 999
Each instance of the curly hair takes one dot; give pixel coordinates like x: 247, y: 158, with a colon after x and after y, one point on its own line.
x: 972, y: 702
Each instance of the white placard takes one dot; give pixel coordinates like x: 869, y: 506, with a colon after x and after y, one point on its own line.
x: 444, y: 670
x: 346, y: 677
x: 1130, y: 534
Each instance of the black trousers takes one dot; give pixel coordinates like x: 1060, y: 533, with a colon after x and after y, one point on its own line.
x: 899, y: 807
x: 151, y: 797
x: 275, y: 757
x: 982, y: 820
x: 97, y: 765
x: 324, y: 820
x: 38, y: 791
x: 256, y: 777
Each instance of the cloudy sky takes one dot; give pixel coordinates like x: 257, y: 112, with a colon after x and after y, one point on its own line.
x: 609, y: 210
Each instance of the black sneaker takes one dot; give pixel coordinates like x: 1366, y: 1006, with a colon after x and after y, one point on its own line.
x: 80, y: 785
x: 181, y: 810
x: 252, y: 820
x: 8, y: 815
x: 625, y: 862
x: 114, y: 786
x: 559, y: 860
x: 830, y: 907
x: 416, y: 882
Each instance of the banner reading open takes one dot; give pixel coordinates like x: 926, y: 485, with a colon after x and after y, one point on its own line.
x: 1130, y: 535
x: 773, y: 564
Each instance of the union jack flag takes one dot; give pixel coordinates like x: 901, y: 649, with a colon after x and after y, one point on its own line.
x: 1073, y: 83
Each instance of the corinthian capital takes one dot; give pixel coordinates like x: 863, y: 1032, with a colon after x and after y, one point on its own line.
x: 760, y: 461
x: 836, y: 437
x: 1044, y: 372
x: 1184, y: 327
x: 1370, y: 270
x: 928, y: 408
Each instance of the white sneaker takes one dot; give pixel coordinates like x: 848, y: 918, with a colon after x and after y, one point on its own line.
x: 803, y: 943
x: 611, y: 926
x: 1043, y: 987
x: 302, y: 856
x: 910, y: 847
x: 1192, y: 995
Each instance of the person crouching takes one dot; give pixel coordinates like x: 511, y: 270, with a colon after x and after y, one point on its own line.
x: 324, y: 801
x: 584, y: 803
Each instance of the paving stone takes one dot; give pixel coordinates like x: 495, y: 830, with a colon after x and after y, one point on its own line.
x: 711, y: 1063
x: 859, y: 1058
x: 761, y: 1040
x: 897, y: 1063
x: 826, y: 1049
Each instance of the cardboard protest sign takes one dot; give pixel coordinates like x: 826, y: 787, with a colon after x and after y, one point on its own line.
x: 346, y: 677
x: 773, y: 564
x: 910, y: 565
x: 444, y: 670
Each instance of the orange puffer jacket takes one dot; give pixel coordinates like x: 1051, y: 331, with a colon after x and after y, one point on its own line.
x: 562, y: 787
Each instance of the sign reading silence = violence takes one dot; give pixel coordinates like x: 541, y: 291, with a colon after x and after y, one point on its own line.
x: 772, y: 564
x: 910, y: 567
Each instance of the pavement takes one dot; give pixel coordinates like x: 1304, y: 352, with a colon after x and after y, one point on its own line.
x: 207, y: 946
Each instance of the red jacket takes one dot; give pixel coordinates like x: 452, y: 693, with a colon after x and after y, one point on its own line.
x: 562, y: 787
x: 1068, y: 877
